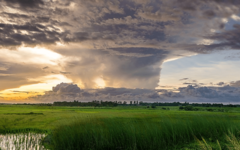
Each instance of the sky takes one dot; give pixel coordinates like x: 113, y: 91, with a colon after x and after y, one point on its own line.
x: 143, y: 50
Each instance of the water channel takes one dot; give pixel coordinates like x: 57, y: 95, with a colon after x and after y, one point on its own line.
x: 27, y: 141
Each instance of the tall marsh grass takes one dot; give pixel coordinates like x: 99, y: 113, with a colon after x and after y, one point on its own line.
x: 138, y: 134
x: 231, y: 143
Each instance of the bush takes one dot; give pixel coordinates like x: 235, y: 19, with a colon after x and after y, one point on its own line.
x: 221, y: 110
x: 181, y: 107
x: 195, y: 109
x: 153, y: 106
x: 189, y: 108
x: 210, y: 109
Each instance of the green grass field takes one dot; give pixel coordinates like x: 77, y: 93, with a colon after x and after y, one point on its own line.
x: 124, y: 127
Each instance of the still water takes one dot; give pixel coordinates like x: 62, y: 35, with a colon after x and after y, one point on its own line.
x: 27, y: 141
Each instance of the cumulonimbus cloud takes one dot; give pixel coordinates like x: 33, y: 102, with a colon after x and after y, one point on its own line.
x: 122, y: 42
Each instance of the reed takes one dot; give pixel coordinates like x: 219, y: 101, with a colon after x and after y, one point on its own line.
x: 138, y: 134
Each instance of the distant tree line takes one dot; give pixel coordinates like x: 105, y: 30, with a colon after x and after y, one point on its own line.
x: 84, y: 104
x: 33, y: 104
x: 101, y: 103
x: 191, y: 108
x: 188, y: 104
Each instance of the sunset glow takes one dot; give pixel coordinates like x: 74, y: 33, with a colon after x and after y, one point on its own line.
x: 119, y: 50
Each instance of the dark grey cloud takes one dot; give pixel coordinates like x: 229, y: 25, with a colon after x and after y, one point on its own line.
x: 220, y: 83
x: 190, y: 83
x: 209, y: 14
x: 10, y: 35
x: 228, y: 39
x: 155, y: 24
x: 122, y: 42
x: 227, y: 88
x: 220, y: 94
x: 123, y: 22
x: 70, y: 92
x: 45, y: 67
x: 25, y: 3
x: 66, y: 88
x: 170, y: 94
x: 183, y: 79
x: 62, y: 72
x: 204, y: 92
x: 235, y: 84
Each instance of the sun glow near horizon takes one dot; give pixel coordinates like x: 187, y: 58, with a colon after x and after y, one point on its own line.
x: 100, y: 82
x: 30, y: 90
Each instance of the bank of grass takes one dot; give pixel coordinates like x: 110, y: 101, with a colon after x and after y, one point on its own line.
x: 139, y: 134
x: 136, y: 127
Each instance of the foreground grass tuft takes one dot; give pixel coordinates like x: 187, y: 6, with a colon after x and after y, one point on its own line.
x: 140, y: 134
x: 231, y: 143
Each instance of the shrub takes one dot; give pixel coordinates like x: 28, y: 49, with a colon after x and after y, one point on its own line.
x: 221, y: 110
x: 181, y: 107
x: 153, y: 106
x: 189, y: 107
x: 195, y: 109
x: 210, y: 109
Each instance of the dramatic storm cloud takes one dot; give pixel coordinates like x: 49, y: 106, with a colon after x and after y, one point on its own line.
x: 120, y: 44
